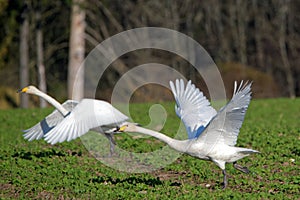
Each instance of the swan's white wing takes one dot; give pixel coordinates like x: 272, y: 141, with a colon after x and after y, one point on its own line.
x: 226, y: 125
x: 88, y: 114
x: 191, y: 107
x: 40, y: 129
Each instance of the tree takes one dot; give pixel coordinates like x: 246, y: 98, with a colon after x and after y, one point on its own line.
x: 24, y: 53
x: 40, y: 56
x: 76, y: 51
x: 284, y: 10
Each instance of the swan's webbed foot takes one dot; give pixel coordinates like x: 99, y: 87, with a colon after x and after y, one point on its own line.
x: 241, y: 168
x: 225, y: 181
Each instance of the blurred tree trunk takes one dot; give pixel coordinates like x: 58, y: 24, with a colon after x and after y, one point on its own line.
x: 284, y: 10
x: 40, y: 58
x: 258, y: 24
x: 241, y: 16
x: 232, y: 29
x: 76, y: 51
x: 24, y: 54
x: 225, y: 52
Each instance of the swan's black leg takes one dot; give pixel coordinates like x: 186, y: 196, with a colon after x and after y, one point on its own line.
x: 112, y: 143
x: 225, y: 182
x: 241, y: 168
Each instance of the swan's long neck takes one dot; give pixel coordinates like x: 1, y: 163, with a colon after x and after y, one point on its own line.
x: 179, y: 145
x: 53, y: 102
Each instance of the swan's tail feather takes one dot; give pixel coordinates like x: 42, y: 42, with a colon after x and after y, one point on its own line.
x: 241, y: 153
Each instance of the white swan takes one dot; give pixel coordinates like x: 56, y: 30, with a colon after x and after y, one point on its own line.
x: 212, y: 135
x: 72, y: 119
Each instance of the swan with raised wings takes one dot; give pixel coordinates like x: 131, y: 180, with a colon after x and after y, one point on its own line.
x: 73, y: 119
x: 212, y: 135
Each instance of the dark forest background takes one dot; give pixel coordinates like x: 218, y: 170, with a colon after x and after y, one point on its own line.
x: 249, y: 39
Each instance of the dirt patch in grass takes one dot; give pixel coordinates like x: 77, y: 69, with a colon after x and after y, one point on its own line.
x: 8, y: 191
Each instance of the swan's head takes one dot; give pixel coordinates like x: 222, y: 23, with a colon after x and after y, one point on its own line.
x: 128, y: 127
x: 29, y: 90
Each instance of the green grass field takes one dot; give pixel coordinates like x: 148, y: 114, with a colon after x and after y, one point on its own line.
x: 37, y: 170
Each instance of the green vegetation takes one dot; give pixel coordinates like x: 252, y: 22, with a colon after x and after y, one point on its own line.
x: 38, y: 170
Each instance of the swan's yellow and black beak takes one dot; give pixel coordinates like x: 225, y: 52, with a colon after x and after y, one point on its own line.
x: 122, y: 128
x: 24, y: 90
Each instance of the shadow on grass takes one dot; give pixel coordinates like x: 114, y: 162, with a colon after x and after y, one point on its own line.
x: 30, y: 155
x: 130, y: 180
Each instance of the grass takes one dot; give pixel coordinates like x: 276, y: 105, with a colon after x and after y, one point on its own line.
x: 37, y: 170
